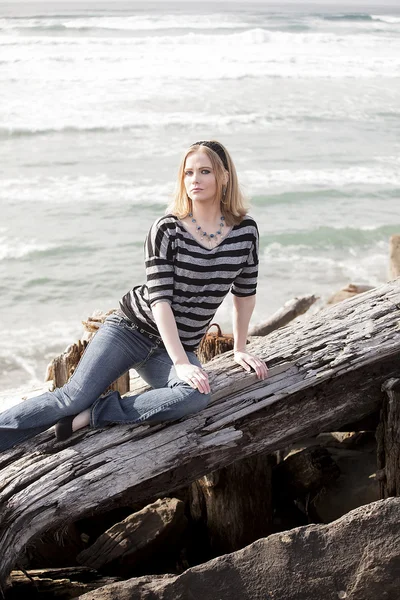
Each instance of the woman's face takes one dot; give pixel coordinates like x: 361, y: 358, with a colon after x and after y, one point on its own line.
x: 199, y: 178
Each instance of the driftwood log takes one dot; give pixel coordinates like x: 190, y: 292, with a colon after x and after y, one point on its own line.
x: 62, y: 367
x: 55, y: 583
x: 145, y: 529
x: 388, y: 441
x: 324, y: 373
x: 305, y: 472
x: 289, y: 311
x: 297, y: 481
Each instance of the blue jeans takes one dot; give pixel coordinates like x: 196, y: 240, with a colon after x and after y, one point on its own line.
x: 116, y: 347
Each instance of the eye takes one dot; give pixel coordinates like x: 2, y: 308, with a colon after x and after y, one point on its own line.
x: 188, y: 173
x: 206, y: 171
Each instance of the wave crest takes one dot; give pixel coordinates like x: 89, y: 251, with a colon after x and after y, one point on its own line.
x: 348, y: 17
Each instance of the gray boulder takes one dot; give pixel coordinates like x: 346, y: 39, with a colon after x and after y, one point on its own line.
x: 354, y: 558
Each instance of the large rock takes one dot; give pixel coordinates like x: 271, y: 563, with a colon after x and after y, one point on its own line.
x: 348, y: 292
x: 354, y: 558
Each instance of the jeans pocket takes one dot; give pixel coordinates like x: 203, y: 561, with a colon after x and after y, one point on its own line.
x: 120, y: 322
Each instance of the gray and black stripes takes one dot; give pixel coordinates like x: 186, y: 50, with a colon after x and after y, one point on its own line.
x: 191, y: 278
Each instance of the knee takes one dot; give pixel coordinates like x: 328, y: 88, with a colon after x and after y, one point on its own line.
x: 199, y: 400
x: 191, y: 404
x: 70, y: 396
x: 191, y: 401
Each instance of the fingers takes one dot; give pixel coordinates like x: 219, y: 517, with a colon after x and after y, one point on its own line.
x: 195, y: 377
x: 199, y: 380
x: 243, y: 364
x: 262, y: 370
x: 248, y: 362
x: 259, y: 367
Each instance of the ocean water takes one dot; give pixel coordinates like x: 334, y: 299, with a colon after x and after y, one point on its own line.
x: 98, y: 101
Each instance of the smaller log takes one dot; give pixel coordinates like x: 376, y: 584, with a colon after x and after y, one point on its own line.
x: 135, y: 535
x: 296, y: 483
x: 62, y: 367
x: 388, y: 441
x: 348, y: 292
x: 64, y: 583
x: 394, y: 256
x: 305, y: 471
x: 289, y: 311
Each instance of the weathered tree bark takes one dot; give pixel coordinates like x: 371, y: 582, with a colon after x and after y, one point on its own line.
x: 289, y: 311
x: 388, y: 440
x: 324, y: 372
x: 235, y: 502
x: 62, y: 367
x: 394, y: 252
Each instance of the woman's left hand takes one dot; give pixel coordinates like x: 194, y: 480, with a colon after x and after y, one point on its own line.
x: 249, y: 361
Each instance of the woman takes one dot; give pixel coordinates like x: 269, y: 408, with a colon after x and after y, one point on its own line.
x: 203, y: 248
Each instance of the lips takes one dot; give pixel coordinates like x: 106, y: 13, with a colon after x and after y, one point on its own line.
x: 197, y: 190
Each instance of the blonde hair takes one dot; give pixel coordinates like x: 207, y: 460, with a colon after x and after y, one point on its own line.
x: 233, y: 203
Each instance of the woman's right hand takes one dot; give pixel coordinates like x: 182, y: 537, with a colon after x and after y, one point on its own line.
x: 196, y: 377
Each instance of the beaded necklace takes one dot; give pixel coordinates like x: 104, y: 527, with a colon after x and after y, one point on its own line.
x: 211, y: 237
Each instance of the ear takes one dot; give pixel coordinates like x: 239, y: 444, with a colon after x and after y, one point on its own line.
x: 226, y: 177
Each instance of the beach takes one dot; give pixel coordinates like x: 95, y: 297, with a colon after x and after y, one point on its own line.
x: 99, y: 101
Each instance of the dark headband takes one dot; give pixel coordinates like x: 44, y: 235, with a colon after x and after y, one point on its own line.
x: 217, y: 148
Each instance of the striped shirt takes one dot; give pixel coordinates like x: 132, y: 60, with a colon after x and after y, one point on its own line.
x: 194, y: 280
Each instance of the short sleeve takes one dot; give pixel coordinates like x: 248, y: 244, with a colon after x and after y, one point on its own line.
x: 245, y: 283
x: 159, y: 262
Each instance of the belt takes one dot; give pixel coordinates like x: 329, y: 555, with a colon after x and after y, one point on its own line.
x: 135, y: 325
